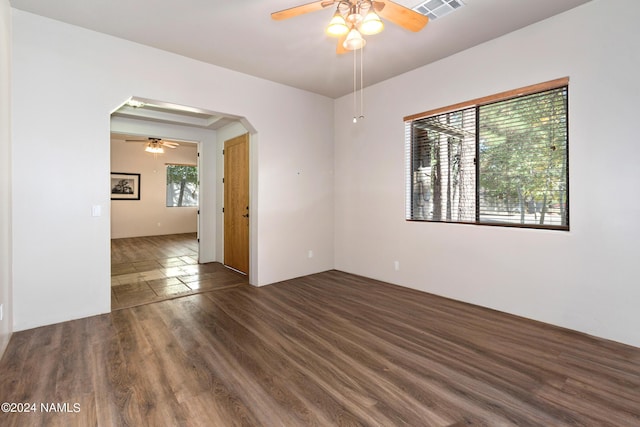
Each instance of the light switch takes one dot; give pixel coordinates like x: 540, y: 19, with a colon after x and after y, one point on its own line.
x: 96, y: 210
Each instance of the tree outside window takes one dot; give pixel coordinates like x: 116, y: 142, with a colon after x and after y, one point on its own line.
x: 182, y: 185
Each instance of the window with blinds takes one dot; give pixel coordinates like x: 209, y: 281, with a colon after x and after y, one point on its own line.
x: 498, y: 160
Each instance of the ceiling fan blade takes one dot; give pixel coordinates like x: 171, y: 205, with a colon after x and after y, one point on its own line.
x: 400, y: 15
x: 377, y: 5
x: 135, y: 140
x: 170, y: 144
x: 300, y: 10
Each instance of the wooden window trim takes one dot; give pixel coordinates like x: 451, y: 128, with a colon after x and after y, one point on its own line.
x: 527, y: 90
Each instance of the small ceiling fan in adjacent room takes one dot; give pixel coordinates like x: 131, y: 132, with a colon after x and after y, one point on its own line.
x: 353, y: 18
x: 155, y: 145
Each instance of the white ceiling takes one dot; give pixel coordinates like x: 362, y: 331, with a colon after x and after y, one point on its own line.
x: 163, y: 112
x: 240, y: 35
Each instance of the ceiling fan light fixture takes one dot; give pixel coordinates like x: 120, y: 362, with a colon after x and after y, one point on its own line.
x: 372, y: 24
x: 154, y: 147
x: 354, y: 18
x: 354, y: 40
x: 337, y: 26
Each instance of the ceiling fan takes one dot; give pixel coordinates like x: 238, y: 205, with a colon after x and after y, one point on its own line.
x: 155, y: 145
x: 353, y: 18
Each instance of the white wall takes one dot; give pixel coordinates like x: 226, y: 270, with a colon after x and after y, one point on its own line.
x: 5, y: 174
x: 66, y: 83
x: 150, y: 215
x: 586, y: 279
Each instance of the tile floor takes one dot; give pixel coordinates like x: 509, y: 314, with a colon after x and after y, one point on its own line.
x: 149, y: 269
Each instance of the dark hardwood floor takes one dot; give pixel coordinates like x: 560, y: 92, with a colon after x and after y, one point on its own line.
x: 156, y: 268
x: 327, y: 349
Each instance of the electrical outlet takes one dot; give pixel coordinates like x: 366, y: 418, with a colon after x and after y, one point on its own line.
x: 1, y: 312
x: 396, y: 265
x: 310, y: 255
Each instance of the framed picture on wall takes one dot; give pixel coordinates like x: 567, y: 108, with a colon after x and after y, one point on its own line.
x: 125, y: 186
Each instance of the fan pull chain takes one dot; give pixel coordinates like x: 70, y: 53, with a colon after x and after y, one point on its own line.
x: 355, y: 86
x: 361, y: 83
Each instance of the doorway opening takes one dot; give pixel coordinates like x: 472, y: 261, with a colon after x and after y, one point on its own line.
x: 161, y: 259
x: 154, y: 218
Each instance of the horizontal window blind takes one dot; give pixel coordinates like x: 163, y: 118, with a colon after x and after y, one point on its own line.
x: 443, y: 170
x: 523, y: 160
x: 503, y: 162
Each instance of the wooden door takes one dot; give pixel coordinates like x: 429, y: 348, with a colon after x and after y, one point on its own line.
x: 236, y: 203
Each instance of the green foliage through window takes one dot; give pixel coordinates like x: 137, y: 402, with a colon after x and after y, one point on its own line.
x: 505, y: 163
x: 182, y: 185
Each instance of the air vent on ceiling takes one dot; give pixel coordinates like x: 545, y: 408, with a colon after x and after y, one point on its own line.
x: 435, y: 9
